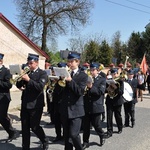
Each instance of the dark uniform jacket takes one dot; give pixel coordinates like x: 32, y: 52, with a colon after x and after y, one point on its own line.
x: 5, y: 85
x: 71, y: 105
x: 102, y: 74
x: 117, y: 100
x: 33, y: 96
x: 94, y: 99
x: 57, y: 96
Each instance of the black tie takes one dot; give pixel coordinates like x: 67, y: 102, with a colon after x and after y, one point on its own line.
x: 72, y: 72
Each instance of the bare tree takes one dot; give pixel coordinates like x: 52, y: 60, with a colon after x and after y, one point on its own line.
x: 42, y: 20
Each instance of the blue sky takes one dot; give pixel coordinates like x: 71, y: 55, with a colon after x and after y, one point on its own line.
x: 107, y: 17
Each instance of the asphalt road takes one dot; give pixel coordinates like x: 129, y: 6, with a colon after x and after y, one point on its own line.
x: 137, y: 138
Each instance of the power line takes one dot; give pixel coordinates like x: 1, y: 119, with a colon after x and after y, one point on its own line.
x: 138, y: 3
x: 128, y: 7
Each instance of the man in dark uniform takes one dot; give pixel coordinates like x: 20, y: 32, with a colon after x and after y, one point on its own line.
x: 5, y: 99
x: 101, y: 67
x: 114, y: 104
x: 94, y: 105
x: 71, y: 105
x: 129, y: 107
x: 32, y: 85
x: 57, y: 96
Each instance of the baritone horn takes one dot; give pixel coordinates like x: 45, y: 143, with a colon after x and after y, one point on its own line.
x: 19, y: 77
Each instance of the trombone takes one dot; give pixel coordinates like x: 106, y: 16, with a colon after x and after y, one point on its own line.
x: 19, y: 77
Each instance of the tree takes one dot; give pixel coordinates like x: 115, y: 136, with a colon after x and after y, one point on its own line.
x: 146, y: 43
x: 116, y: 46
x: 105, y: 54
x: 135, y: 46
x: 91, y: 52
x: 42, y: 20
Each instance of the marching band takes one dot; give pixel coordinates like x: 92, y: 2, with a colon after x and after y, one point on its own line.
x: 78, y: 94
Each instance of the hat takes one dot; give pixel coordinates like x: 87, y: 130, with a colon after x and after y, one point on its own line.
x: 114, y: 70
x: 111, y: 65
x: 1, y: 56
x: 94, y: 66
x: 32, y: 57
x: 128, y: 64
x: 73, y: 55
x: 131, y: 71
x: 86, y: 64
x: 84, y: 68
x: 61, y: 64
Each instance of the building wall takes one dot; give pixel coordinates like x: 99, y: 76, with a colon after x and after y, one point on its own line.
x: 15, y: 48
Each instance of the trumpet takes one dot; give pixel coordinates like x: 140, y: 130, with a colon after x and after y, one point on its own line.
x: 19, y: 77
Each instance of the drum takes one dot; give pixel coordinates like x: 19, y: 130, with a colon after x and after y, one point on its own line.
x: 128, y: 92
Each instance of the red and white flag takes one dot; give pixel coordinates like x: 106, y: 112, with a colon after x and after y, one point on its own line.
x: 143, y: 65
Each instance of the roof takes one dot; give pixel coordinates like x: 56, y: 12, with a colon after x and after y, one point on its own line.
x: 23, y: 36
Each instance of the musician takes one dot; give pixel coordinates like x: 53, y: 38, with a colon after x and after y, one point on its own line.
x: 94, y: 105
x: 114, y: 104
x: 49, y: 101
x: 32, y: 86
x: 57, y: 96
x: 101, y: 67
x: 5, y: 99
x: 129, y: 106
x: 71, y: 105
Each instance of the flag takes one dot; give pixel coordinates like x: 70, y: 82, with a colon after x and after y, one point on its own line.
x: 143, y: 65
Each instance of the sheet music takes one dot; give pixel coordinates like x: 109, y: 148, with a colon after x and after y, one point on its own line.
x: 48, y: 71
x: 15, y: 69
x: 62, y: 72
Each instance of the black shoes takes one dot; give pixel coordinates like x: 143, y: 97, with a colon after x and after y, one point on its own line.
x: 108, y: 135
x: 102, y: 141
x: 125, y: 125
x: 119, y: 131
x: 57, y: 139
x: 85, y: 145
x: 132, y: 124
x: 45, y: 144
x: 12, y: 136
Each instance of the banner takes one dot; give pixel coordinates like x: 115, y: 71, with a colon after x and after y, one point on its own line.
x: 143, y: 65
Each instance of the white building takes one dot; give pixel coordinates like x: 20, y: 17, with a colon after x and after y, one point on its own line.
x: 15, y: 45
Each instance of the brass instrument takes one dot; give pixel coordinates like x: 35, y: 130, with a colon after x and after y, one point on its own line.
x: 62, y: 82
x: 19, y: 77
x: 113, y: 87
x: 51, y: 86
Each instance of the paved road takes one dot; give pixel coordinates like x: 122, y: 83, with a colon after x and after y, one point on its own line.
x: 137, y: 138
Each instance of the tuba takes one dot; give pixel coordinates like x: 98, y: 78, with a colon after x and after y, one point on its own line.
x: 19, y: 77
x: 113, y: 87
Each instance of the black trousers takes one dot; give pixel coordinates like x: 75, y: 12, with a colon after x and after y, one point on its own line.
x: 117, y: 113
x: 57, y: 123
x: 95, y: 120
x: 71, y: 133
x: 4, y: 118
x: 30, y: 118
x: 129, y: 109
